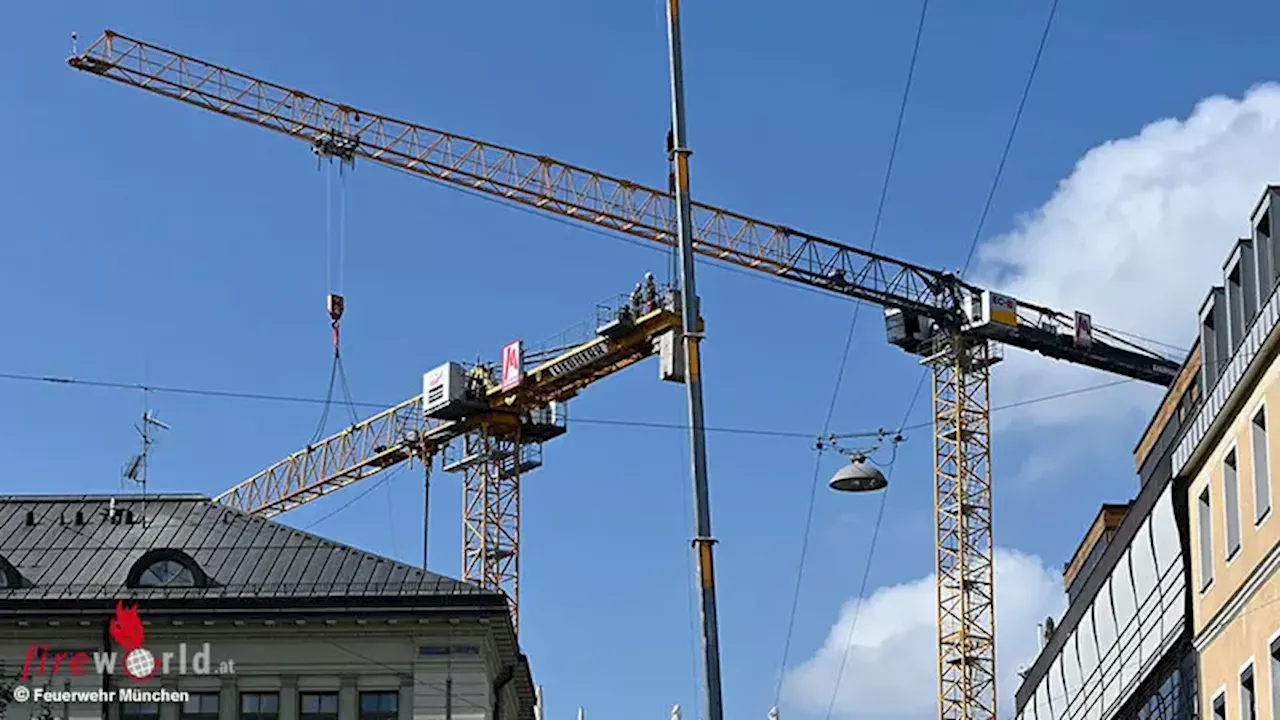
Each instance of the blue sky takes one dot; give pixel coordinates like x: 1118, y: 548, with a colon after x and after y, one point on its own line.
x: 146, y: 241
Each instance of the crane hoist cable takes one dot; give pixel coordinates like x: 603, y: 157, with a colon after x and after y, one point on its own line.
x: 335, y: 302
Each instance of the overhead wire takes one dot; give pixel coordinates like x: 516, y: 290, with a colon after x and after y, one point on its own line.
x: 986, y: 208
x: 757, y: 432
x: 866, y: 574
x: 844, y: 358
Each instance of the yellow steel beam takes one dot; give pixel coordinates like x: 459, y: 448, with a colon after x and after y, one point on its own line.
x: 403, y: 432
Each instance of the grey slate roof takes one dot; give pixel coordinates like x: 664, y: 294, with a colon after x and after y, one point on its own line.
x: 73, y: 552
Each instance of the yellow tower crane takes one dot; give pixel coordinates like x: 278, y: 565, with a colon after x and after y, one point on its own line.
x: 955, y: 326
x: 488, y: 426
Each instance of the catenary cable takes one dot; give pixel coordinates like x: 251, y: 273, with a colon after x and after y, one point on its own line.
x: 986, y: 208
x: 759, y: 432
x: 844, y: 358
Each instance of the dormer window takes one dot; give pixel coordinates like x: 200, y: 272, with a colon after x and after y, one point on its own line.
x: 166, y: 568
x: 10, y: 578
x: 167, y: 573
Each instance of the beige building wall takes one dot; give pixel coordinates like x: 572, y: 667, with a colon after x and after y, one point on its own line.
x: 1231, y: 627
x: 1244, y: 640
x: 348, y: 658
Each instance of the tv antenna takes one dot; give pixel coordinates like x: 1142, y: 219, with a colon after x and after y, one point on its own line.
x: 135, y: 470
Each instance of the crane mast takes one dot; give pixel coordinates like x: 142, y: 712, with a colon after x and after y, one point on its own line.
x: 955, y: 326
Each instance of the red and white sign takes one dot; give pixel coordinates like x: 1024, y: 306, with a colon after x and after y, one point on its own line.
x: 512, y: 369
x: 1084, y: 330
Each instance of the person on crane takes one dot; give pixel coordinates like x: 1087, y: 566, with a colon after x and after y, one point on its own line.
x: 637, y: 300
x: 650, y: 293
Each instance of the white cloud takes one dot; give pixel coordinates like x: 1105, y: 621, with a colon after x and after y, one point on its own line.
x: 1135, y: 236
x: 891, y: 668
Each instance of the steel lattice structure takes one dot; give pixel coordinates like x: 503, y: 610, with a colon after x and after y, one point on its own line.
x: 493, y: 459
x: 940, y: 300
x: 962, y: 506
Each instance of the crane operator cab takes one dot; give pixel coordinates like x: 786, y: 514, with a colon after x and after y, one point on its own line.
x: 987, y: 313
x: 450, y: 392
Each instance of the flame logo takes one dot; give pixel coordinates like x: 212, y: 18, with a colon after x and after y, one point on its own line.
x: 126, y: 628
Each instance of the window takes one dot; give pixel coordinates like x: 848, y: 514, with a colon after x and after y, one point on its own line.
x: 9, y: 576
x: 379, y: 705
x: 1206, y: 541
x: 1261, y: 471
x: 1231, y: 502
x: 166, y: 568
x: 318, y: 706
x: 259, y: 706
x: 167, y: 573
x: 200, y: 706
x: 1248, y: 706
x: 139, y: 711
x: 1275, y: 678
x: 1220, y: 707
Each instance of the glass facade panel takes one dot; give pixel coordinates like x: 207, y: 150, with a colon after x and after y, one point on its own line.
x: 1071, y: 672
x: 1057, y: 690
x: 1168, y: 694
x: 1164, y: 532
x: 1087, y: 644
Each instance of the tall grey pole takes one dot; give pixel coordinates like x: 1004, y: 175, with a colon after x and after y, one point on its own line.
x: 702, y: 540
x: 426, y: 508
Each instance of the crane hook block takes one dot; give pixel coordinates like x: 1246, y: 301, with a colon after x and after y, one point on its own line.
x: 335, y: 305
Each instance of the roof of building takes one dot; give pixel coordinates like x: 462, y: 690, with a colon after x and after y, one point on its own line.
x: 81, y: 554
x: 71, y: 548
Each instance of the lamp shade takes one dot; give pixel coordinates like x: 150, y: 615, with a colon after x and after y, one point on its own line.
x: 858, y: 476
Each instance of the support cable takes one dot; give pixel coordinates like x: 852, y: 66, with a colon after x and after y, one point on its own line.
x: 757, y: 432
x: 986, y: 208
x: 844, y: 358
x: 1008, y: 143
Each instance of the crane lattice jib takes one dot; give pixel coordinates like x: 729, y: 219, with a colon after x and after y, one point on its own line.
x: 533, y: 180
x: 540, y: 182
x: 403, y: 432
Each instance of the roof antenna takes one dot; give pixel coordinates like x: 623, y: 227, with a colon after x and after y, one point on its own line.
x: 135, y: 470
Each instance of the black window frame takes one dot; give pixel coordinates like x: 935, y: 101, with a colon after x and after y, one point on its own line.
x: 259, y: 714
x: 1273, y: 652
x: 196, y: 697
x: 379, y: 713
x: 1204, y: 520
x: 1231, y: 504
x: 1248, y: 694
x: 123, y: 709
x: 319, y: 714
x: 1261, y: 466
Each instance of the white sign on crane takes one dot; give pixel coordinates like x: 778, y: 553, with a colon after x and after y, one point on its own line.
x: 1084, y: 330
x: 512, y: 369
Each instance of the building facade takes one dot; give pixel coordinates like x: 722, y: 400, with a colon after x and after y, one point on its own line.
x: 1226, y: 459
x: 252, y: 619
x: 1122, y: 649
